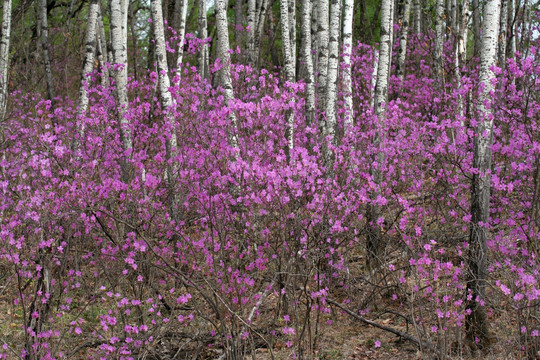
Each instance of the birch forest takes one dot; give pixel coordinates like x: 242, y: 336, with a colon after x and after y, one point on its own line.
x: 270, y: 179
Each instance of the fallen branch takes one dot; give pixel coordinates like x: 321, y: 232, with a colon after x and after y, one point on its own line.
x: 405, y: 336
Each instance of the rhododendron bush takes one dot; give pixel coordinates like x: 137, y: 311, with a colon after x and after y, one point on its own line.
x: 243, y: 248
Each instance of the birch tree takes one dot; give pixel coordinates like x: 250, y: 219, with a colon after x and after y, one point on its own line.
x: 4, y: 57
x: 503, y: 34
x: 203, y: 57
x: 403, y: 37
x: 333, y: 71
x: 290, y: 73
x: 322, y: 43
x: 165, y: 99
x: 225, y: 81
x: 461, y: 50
x: 119, y: 67
x: 308, y: 60
x: 45, y: 51
x: 90, y: 42
x: 292, y: 30
x: 417, y: 17
x: 476, y: 321
x: 476, y: 26
x: 439, y: 12
x: 347, y: 52
x: 374, y: 242
x: 181, y: 34
x: 102, y: 49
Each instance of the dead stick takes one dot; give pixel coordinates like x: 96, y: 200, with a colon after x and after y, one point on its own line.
x: 389, y: 329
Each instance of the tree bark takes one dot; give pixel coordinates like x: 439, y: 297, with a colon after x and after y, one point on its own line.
x: 289, y: 67
x: 511, y: 27
x: 260, y: 22
x: 503, y: 34
x: 105, y: 51
x: 347, y: 52
x: 322, y: 40
x: 88, y: 66
x: 308, y: 60
x: 4, y: 57
x: 251, y: 30
x: 203, y: 58
x: 332, y: 80
x: 439, y: 40
x: 476, y: 27
x: 374, y: 241
x: 417, y: 17
x: 476, y: 321
x: 181, y: 35
x: 119, y: 68
x: 225, y: 82
x: 292, y: 30
x: 403, y: 37
x: 45, y: 51
x: 461, y: 52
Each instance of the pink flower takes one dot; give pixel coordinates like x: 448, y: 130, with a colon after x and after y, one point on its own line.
x: 377, y: 344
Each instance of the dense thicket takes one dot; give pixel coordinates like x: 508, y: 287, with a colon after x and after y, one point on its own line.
x: 208, y: 196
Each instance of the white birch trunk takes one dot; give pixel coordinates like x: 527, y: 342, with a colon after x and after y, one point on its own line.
x: 88, y: 66
x: 119, y: 68
x: 439, y: 38
x: 292, y: 30
x: 181, y: 36
x: 512, y: 27
x: 288, y: 65
x: 165, y: 99
x: 333, y: 72
x: 4, y: 57
x: 314, y: 32
x: 45, y: 51
x: 105, y: 50
x: 374, y: 241
x: 476, y: 322
x: 347, y: 52
x: 225, y: 72
x: 125, y: 8
x: 203, y: 57
x: 308, y: 59
x: 251, y: 23
x: 476, y: 26
x: 461, y: 51
x: 322, y: 40
x: 503, y: 34
x: 403, y: 37
x: 417, y: 17
x: 260, y: 21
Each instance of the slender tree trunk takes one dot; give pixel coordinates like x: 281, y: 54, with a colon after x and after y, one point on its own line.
x: 238, y: 8
x: 45, y: 51
x: 417, y: 17
x: 181, y: 35
x: 292, y: 30
x: 476, y: 27
x: 347, y: 52
x: 503, y: 34
x: 251, y: 24
x: 512, y: 28
x: 374, y: 241
x: 332, y: 80
x: 119, y: 68
x: 225, y: 82
x: 4, y: 57
x: 131, y: 19
x: 308, y: 59
x: 290, y: 73
x: 260, y: 22
x: 461, y: 52
x: 322, y: 39
x: 476, y: 321
x: 88, y: 66
x: 439, y: 38
x: 314, y: 32
x: 165, y: 100
x: 204, y: 56
x: 403, y: 37
x: 104, y: 54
